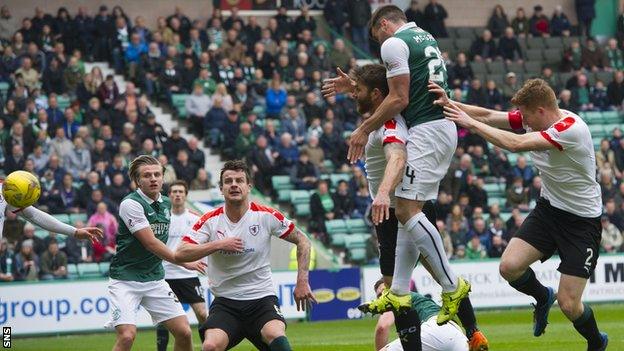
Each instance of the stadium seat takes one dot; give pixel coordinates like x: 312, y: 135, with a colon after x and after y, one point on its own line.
x: 281, y: 182
x: 4, y: 89
x: 505, y: 216
x: 41, y: 233
x: 445, y: 44
x: 553, y: 56
x: 567, y: 41
x: 463, y: 44
x: 498, y: 78
x: 493, y: 189
x: 597, y: 130
x: 534, y: 43
x: 564, y: 77
x: 592, y: 117
x: 336, y: 226
x: 337, y: 177
x: 89, y: 270
x: 72, y: 271
x: 63, y: 218
x: 591, y: 80
x: 554, y: 43
x: 337, y: 240
x: 357, y: 226
x: 534, y: 55
x: 63, y: 102
x: 300, y: 197
x: 496, y: 200
x: 604, y: 76
x: 283, y: 195
x: 75, y: 217
x: 611, y: 117
x: 478, y: 67
x: 515, y: 67
x: 496, y: 67
x: 610, y: 127
x: 104, y: 268
x: 328, y: 165
x: 533, y: 68
x: 357, y: 255
x: 356, y: 240
x: 465, y: 33
x: 302, y: 210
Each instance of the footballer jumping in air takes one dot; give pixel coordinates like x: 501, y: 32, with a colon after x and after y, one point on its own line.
x: 567, y: 216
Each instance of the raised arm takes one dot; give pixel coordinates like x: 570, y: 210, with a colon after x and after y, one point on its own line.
x: 396, y: 155
x: 497, y: 119
x: 49, y: 223
x: 303, y: 293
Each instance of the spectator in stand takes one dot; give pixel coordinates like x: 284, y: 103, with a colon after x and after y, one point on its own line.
x: 53, y: 262
x: 524, y: 171
x: 481, y: 231
x: 520, y: 24
x: 480, y: 161
x: 106, y: 220
x: 598, y: 96
x: 475, y: 250
x: 494, y: 98
x: 585, y: 13
x: 7, y: 258
x: 108, y: 92
x: 615, y: 90
x: 52, y: 78
x: 295, y: 125
x: 457, y: 214
x: 275, y: 99
x: 244, y: 142
x: 535, y: 190
x: 184, y: 169
x: 321, y: 210
x: 336, y: 15
x: 133, y: 53
x: 304, y: 22
x: 188, y: 74
x: 214, y: 121
x: 288, y: 154
x: 476, y: 94
x: 201, y: 180
x: 170, y: 79
x: 304, y: 174
x: 539, y: 24
x: 262, y: 160
x: 614, y: 55
x: 509, y: 47
x: 592, y: 56
x: 460, y: 73
x: 559, y: 24
x: 498, y: 247
x: 566, y: 102
x: 339, y: 56
x: 607, y: 187
x: 27, y: 262
x: 8, y: 23
x: 614, y: 214
x: 611, y: 236
x: 78, y: 160
x: 197, y: 106
x: 359, y: 16
x: 413, y: 14
x: 231, y: 129
x: 498, y: 21
x: 343, y: 200
x: 478, y: 196
x: 580, y: 94
x: 517, y: 195
x: 434, y: 17
x: 510, y: 87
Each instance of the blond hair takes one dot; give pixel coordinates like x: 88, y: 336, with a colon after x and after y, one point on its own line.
x: 137, y: 163
x: 535, y: 93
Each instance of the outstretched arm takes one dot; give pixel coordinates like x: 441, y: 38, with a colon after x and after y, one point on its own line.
x: 395, y: 163
x: 497, y: 119
x: 189, y: 250
x: 49, y: 223
x: 303, y: 293
x: 152, y: 244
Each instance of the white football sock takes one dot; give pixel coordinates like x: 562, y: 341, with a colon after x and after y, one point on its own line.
x: 404, y: 262
x: 429, y: 243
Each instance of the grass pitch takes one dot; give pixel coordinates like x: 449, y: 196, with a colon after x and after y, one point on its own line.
x: 507, y: 330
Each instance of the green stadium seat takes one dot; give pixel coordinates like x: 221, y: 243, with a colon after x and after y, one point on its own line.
x: 41, y: 233
x: 496, y: 67
x: 493, y: 189
x: 463, y: 44
x: 62, y: 217
x: 182, y: 112
x: 328, y: 165
x: 533, y: 68
x: 515, y: 67
x: 357, y: 226
x: 505, y: 216
x: 605, y: 76
x: 512, y: 158
x: 553, y: 56
x: 535, y: 43
x: 596, y: 142
x: 592, y: 117
x: 75, y: 217
x: 356, y: 240
x: 337, y: 177
x: 445, y: 44
x: 302, y: 210
x: 72, y: 271
x: 283, y: 195
x: 478, y: 67
x: 610, y: 127
x: 496, y: 200
x: 280, y: 182
x: 104, y: 268
x: 63, y: 102
x: 357, y: 255
x: 89, y: 270
x: 597, y: 131
x: 337, y: 240
x: 534, y: 55
x: 554, y: 43
x: 611, y: 117
x: 336, y: 226
x: 4, y: 90
x: 465, y: 32
x: 178, y: 100
x: 300, y: 197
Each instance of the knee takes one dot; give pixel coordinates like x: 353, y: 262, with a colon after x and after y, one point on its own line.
x: 570, y: 306
x: 509, y: 270
x: 210, y: 345
x: 269, y: 336
x: 183, y: 333
x: 126, y: 337
x: 402, y: 213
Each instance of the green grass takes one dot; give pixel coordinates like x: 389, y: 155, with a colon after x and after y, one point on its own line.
x: 506, y: 330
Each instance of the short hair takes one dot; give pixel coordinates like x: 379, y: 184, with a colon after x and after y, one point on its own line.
x: 181, y: 183
x: 378, y: 283
x: 235, y: 165
x: 535, y: 93
x: 391, y: 13
x: 372, y: 76
x: 137, y: 163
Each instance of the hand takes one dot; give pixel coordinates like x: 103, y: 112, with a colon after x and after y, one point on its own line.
x: 232, y: 244
x: 381, y: 208
x: 199, y: 266
x: 92, y: 233
x: 455, y: 114
x: 357, y: 142
x: 442, y: 99
x: 303, y: 296
x: 340, y: 84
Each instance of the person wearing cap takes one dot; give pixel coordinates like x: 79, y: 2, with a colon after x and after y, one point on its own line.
x: 510, y: 86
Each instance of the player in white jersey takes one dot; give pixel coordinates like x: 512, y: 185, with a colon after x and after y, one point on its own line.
x: 385, y: 155
x: 236, y: 238
x: 183, y: 282
x: 567, y: 216
x: 47, y: 222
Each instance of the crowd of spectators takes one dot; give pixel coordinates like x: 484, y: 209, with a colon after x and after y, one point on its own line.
x: 252, y: 91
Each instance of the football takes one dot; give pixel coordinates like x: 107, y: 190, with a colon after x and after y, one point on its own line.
x: 21, y: 189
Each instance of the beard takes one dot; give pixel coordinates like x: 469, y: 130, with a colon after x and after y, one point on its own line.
x: 364, y: 105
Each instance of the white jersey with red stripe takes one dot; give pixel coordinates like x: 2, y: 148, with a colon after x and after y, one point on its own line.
x: 244, y: 275
x: 181, y: 225
x: 393, y: 131
x: 569, y: 171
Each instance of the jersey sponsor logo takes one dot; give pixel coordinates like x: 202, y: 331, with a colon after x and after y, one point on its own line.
x: 254, y: 229
x: 564, y: 124
x: 348, y: 293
